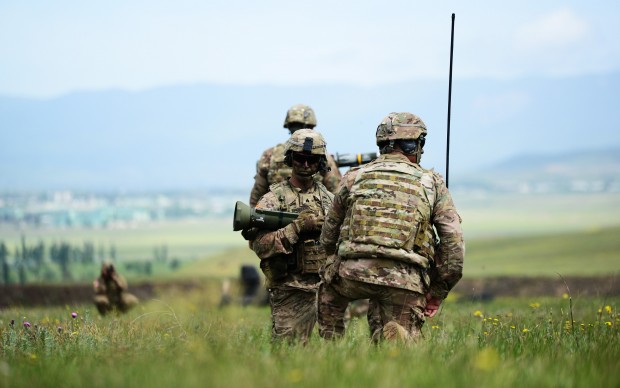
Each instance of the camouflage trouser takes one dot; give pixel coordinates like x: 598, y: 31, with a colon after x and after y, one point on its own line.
x: 122, y: 304
x: 370, y: 309
x: 375, y: 324
x: 293, y: 313
x: 401, y: 312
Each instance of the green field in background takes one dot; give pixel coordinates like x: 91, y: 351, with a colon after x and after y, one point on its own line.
x: 533, y: 235
x: 574, y: 253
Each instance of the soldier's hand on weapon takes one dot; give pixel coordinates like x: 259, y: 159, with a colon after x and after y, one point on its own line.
x: 249, y: 234
x: 432, y: 305
x: 307, y: 221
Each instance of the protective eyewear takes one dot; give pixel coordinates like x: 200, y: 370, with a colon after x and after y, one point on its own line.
x: 310, y: 159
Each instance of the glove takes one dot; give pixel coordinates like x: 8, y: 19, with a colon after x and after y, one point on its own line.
x: 432, y: 305
x: 307, y: 221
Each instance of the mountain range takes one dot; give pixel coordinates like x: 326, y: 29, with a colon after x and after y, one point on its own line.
x: 210, y: 136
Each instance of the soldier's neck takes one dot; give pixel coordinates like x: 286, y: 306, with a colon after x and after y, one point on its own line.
x: 301, y: 182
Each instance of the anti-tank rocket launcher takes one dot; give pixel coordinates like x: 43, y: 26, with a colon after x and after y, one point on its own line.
x: 246, y: 217
x: 353, y: 160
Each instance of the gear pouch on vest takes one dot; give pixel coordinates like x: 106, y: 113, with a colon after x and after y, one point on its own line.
x: 274, y: 268
x: 383, y: 222
x: 310, y: 256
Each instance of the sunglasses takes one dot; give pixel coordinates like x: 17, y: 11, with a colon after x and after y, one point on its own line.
x: 310, y: 159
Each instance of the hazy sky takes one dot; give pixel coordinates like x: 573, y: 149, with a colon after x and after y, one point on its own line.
x: 48, y: 48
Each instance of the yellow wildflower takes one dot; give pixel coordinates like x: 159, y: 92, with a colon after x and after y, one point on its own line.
x: 608, y: 309
x: 608, y: 323
x: 487, y: 359
x: 535, y: 305
x: 295, y: 376
x: 525, y: 330
x: 565, y: 296
x: 478, y: 313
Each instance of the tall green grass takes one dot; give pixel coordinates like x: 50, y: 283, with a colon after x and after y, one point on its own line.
x: 183, y: 340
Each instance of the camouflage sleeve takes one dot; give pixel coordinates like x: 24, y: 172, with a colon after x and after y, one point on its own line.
x: 274, y: 243
x: 331, y: 179
x: 450, y: 252
x: 336, y: 214
x: 261, y: 185
x: 120, y: 281
x: 99, y: 286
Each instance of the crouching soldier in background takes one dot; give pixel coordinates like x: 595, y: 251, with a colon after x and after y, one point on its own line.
x: 111, y: 291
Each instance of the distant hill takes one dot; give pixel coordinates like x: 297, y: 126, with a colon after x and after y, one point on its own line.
x: 210, y: 136
x: 595, y: 170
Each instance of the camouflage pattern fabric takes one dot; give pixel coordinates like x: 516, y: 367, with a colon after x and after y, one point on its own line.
x: 415, y: 266
x: 390, y: 266
x: 292, y: 292
x: 399, y: 308
x: 293, y: 314
x: 271, y: 169
x: 111, y: 294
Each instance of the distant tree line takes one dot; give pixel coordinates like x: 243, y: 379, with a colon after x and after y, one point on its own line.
x: 35, y: 262
x: 38, y: 263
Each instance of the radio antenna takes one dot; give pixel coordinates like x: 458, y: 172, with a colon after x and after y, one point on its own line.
x: 449, y: 103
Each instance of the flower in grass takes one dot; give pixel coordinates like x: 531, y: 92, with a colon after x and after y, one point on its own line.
x: 478, y: 313
x: 26, y: 324
x: 435, y: 327
x: 608, y: 323
x: 565, y: 296
x: 486, y: 359
x: 535, y: 305
x: 526, y: 330
x: 295, y: 376
x: 608, y: 309
x: 74, y: 315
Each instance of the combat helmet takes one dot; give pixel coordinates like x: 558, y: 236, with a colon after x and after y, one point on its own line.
x: 405, y: 128
x: 306, y: 140
x: 396, y: 126
x: 300, y: 113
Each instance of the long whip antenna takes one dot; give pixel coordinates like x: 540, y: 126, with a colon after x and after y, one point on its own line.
x: 449, y: 103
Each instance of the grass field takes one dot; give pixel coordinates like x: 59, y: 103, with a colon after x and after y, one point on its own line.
x: 183, y: 340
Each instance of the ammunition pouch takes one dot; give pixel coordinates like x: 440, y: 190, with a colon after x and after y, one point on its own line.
x: 274, y: 268
x: 310, y: 256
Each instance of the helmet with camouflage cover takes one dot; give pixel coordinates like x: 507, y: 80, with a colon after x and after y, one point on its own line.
x: 308, y: 141
x: 300, y: 113
x: 400, y: 126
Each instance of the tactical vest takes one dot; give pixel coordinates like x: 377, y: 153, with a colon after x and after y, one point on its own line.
x: 389, y: 214
x: 279, y: 171
x: 308, y: 255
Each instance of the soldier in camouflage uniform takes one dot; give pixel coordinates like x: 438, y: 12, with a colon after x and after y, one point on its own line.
x: 291, y: 256
x: 392, y: 235
x: 111, y: 291
x: 271, y: 168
